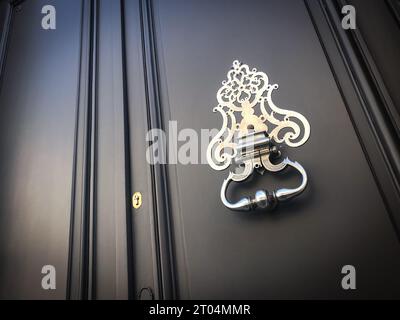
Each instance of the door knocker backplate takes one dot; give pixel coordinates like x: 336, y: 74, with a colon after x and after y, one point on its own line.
x: 252, y: 132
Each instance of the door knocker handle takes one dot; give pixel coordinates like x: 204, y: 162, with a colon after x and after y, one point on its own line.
x: 250, y: 142
x: 264, y: 199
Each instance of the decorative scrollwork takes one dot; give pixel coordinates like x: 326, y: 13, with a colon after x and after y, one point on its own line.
x: 243, y: 93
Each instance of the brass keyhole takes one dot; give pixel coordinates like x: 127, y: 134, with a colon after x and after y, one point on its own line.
x: 137, y: 200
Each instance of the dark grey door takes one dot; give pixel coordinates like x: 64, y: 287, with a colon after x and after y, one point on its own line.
x: 76, y: 104
x: 38, y: 101
x: 299, y: 250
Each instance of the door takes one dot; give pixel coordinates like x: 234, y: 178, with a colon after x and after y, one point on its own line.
x: 77, y: 105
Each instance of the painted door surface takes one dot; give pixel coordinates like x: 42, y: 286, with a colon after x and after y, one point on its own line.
x: 299, y: 250
x: 77, y: 102
x: 38, y: 113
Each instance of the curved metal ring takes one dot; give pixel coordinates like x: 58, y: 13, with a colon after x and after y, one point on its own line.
x: 264, y: 199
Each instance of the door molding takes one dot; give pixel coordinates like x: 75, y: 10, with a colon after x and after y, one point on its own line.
x: 159, y: 173
x: 364, y: 92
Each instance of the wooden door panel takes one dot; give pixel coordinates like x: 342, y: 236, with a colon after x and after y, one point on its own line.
x: 299, y: 250
x: 77, y: 103
x: 38, y: 103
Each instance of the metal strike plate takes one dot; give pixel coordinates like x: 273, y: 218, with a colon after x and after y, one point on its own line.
x: 252, y: 126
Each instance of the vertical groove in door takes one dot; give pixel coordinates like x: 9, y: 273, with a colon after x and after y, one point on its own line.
x: 373, y: 129
x: 128, y: 190
x: 162, y: 228
x: 394, y: 7
x: 81, y: 276
x: 92, y: 150
x: 369, y: 88
x: 74, y: 288
x: 371, y: 70
x: 4, y: 39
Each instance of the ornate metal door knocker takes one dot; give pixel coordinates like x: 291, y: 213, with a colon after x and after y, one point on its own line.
x: 250, y: 143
